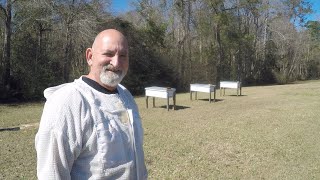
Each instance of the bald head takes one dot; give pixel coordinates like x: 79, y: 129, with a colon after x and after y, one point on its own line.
x: 108, y: 58
x: 107, y: 34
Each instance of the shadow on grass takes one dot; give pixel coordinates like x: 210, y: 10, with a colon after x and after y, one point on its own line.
x: 207, y: 99
x: 10, y: 129
x: 178, y: 107
x: 234, y: 95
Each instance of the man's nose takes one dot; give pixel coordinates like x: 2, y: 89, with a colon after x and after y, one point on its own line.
x: 115, y: 62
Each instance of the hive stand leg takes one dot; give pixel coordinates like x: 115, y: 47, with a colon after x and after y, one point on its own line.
x: 147, y: 101
x: 174, y: 101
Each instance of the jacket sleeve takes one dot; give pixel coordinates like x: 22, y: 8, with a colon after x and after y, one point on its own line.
x: 58, y: 141
x: 53, y: 158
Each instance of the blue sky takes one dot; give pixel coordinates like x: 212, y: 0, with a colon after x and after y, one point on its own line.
x: 119, y: 6
x: 316, y: 8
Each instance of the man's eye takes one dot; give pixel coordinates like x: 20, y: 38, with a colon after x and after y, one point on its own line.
x: 109, y: 54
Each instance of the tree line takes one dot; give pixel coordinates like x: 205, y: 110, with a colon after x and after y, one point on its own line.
x: 171, y: 42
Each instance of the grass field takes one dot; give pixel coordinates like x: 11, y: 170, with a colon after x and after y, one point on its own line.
x: 270, y: 132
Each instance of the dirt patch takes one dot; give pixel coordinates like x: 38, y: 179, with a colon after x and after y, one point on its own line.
x: 27, y: 126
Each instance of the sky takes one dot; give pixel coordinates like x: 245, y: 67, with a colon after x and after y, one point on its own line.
x: 316, y: 7
x: 119, y: 6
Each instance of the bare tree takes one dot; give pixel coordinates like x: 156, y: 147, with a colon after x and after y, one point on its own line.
x: 6, y: 13
x: 75, y: 23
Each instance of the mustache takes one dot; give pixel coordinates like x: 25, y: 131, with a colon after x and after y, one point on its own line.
x: 110, y: 67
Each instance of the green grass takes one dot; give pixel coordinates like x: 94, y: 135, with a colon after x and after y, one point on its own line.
x: 18, y: 156
x: 17, y: 114
x: 271, y: 132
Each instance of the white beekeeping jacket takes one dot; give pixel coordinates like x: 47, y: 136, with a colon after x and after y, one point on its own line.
x: 86, y: 134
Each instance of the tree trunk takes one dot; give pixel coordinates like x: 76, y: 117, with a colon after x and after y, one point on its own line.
x: 220, y: 64
x: 189, y: 43
x: 7, y: 44
x: 67, y: 55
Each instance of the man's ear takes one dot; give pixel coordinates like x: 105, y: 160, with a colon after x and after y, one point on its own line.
x: 89, y: 56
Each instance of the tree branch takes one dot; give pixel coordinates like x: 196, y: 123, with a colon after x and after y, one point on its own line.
x: 3, y: 10
x: 278, y: 32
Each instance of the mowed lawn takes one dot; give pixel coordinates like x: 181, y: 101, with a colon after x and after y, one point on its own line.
x: 270, y: 132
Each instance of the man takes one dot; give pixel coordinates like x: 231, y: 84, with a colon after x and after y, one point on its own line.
x: 90, y: 128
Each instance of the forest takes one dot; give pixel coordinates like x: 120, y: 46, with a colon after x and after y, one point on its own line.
x: 171, y: 42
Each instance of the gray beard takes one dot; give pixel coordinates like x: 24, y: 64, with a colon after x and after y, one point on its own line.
x: 110, y: 78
